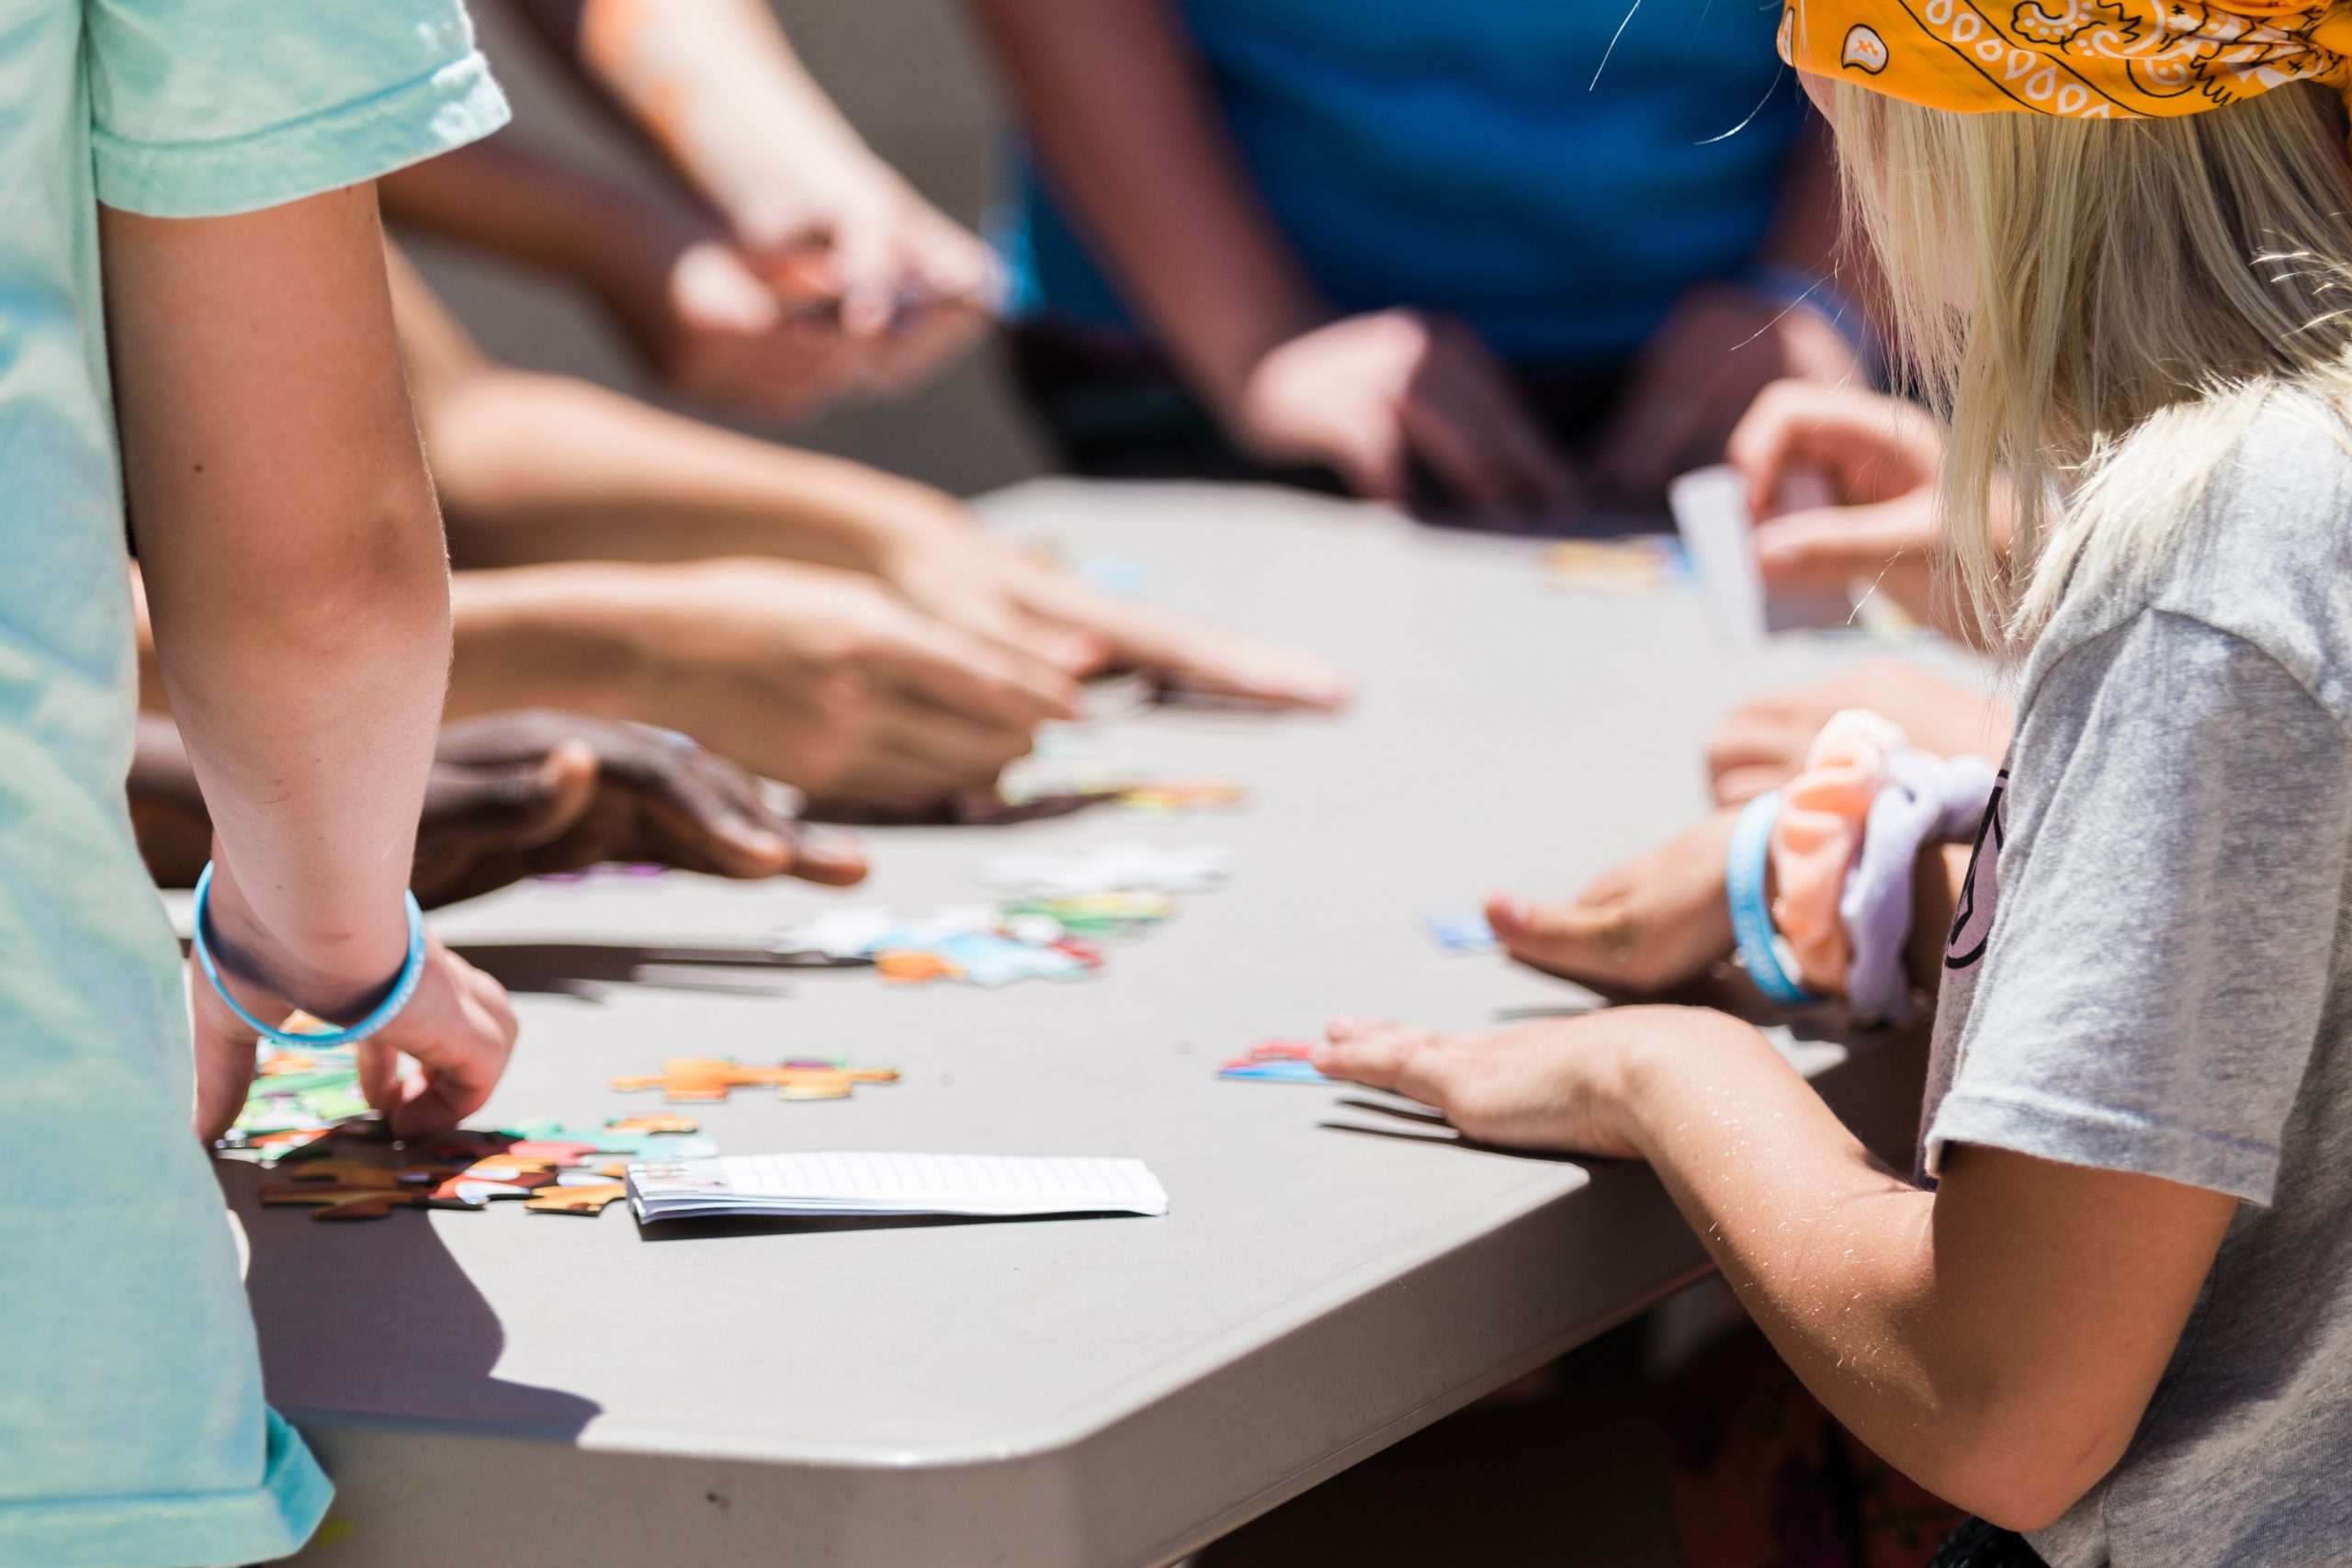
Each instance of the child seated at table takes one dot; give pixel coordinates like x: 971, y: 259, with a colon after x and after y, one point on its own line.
x: 2108, y: 1313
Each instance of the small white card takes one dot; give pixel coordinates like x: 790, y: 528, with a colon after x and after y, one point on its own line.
x: 858, y: 1183
x: 1711, y: 509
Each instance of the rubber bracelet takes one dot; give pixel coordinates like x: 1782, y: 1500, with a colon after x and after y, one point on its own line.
x: 403, y: 988
x: 1761, y: 947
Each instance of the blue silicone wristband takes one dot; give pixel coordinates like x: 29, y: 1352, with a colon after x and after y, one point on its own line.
x: 412, y: 973
x: 1761, y: 947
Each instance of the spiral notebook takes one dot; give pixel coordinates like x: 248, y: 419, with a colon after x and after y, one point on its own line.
x: 976, y: 1186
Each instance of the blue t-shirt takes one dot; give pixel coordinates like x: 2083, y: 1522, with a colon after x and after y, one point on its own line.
x: 1459, y: 156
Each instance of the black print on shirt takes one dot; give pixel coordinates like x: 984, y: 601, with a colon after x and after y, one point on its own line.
x: 1971, y: 923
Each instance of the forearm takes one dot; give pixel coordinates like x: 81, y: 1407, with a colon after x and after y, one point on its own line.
x: 538, y: 468
x: 1830, y: 1252
x: 293, y: 565
x: 1119, y: 116
x: 562, y: 637
x: 611, y: 238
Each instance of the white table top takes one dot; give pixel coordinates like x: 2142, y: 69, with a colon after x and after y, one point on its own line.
x: 1089, y: 1392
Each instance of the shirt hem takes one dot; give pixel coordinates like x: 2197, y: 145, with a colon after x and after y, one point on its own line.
x: 254, y: 1524
x: 458, y: 103
x: 2103, y: 1140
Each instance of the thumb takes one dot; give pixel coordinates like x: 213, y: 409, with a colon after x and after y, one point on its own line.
x: 224, y: 1076
x: 520, y: 805
x: 714, y: 289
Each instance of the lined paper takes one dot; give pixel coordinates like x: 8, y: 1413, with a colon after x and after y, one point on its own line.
x: 989, y: 1185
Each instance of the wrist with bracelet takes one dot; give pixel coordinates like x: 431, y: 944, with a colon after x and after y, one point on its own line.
x: 403, y: 990
x: 1842, y: 839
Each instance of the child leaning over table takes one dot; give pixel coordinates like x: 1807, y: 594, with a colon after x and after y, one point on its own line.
x: 193, y: 315
x: 2112, y: 1317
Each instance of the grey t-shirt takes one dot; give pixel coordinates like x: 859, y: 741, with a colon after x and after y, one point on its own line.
x: 2152, y: 971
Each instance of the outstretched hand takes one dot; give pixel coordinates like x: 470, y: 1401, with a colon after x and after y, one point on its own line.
x: 1645, y: 926
x: 526, y: 794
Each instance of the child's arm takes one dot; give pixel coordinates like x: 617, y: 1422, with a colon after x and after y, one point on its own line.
x: 293, y: 562
x: 1117, y: 110
x: 1996, y: 1341
x: 882, y: 288
x: 538, y: 468
x: 298, y: 591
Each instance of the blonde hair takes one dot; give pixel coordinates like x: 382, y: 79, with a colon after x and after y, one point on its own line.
x: 2099, y: 309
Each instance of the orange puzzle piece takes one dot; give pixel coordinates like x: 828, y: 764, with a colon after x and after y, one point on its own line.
x: 687, y: 1081
x: 589, y: 1200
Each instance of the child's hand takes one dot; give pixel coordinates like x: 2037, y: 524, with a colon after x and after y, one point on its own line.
x: 458, y: 1028
x: 1559, y: 1084
x: 1645, y: 926
x: 521, y: 793
x: 1703, y: 369
x: 1880, y: 456
x: 828, y: 680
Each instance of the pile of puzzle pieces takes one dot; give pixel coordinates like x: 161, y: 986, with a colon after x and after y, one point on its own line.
x: 298, y: 1098
x: 1060, y: 910
x: 357, y: 1173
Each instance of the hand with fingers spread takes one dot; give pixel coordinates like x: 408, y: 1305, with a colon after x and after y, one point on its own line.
x: 828, y: 681
x: 1555, y: 1084
x: 525, y: 794
x: 937, y: 556
x: 1645, y: 926
x: 1188, y: 655
x: 517, y: 795
x: 1761, y: 744
x: 1701, y: 373
x: 1880, y: 456
x: 1373, y: 396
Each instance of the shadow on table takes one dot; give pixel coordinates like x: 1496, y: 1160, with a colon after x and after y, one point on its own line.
x: 822, y: 1224
x: 374, y: 1319
x: 587, y: 970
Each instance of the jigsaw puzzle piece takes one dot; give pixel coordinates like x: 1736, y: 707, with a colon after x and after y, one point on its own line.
x: 590, y: 1201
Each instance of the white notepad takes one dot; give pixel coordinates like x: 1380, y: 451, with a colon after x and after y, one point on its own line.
x: 986, y: 1186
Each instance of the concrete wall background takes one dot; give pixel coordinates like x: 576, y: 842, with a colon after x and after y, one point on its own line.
x: 908, y: 77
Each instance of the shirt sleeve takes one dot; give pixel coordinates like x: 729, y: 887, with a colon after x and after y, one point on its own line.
x: 2161, y: 953
x: 203, y: 107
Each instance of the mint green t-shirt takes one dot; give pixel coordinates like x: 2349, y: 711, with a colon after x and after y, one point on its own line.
x: 132, y: 1430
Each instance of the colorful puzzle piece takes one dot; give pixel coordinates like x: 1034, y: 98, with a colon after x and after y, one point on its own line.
x: 976, y: 943
x: 1639, y: 566
x: 1459, y: 931
x: 686, y: 1080
x: 587, y: 1199
x: 1276, y: 1061
x: 297, y: 1097
x: 1166, y: 797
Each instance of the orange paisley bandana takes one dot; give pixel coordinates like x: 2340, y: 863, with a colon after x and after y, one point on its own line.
x: 2084, y: 59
